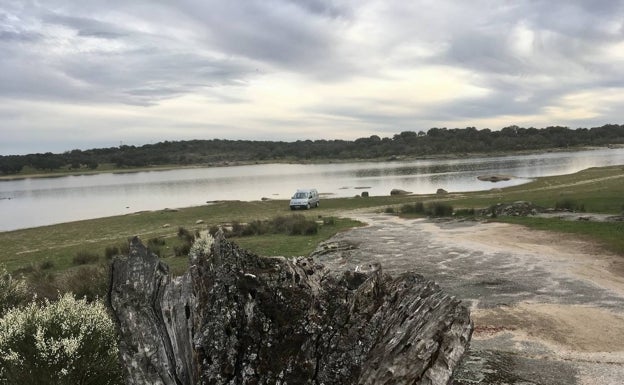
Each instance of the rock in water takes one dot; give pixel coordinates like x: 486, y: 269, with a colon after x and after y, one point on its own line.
x: 238, y: 318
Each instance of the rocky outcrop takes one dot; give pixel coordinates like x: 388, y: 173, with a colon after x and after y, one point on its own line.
x: 519, y: 208
x: 494, y: 178
x: 396, y: 191
x: 237, y: 318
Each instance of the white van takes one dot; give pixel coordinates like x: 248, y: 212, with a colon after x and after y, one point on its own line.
x: 304, y: 199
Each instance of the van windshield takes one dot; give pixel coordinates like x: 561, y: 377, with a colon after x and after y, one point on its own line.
x: 300, y: 195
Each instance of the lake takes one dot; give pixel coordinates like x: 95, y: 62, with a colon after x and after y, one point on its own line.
x: 33, y: 202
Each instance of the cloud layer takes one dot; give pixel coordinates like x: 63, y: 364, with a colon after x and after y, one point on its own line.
x: 96, y: 73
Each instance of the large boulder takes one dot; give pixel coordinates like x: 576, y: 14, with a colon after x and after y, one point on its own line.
x: 396, y: 191
x: 238, y: 318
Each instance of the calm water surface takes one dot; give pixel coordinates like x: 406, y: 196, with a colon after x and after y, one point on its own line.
x: 41, y: 201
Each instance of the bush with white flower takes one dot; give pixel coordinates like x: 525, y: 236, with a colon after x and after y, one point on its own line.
x: 68, y: 341
x: 13, y: 292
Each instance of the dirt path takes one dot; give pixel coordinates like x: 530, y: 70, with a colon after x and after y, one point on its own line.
x: 548, y: 309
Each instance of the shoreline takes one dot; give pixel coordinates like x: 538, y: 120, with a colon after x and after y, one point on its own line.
x: 60, y: 174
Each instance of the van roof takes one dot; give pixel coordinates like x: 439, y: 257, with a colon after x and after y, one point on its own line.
x: 306, y: 189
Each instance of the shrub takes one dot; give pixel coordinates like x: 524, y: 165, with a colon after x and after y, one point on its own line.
x: 13, y: 292
x: 389, y: 210
x: 329, y: 221
x: 85, y: 257
x: 465, y: 212
x: 43, y: 284
x: 185, y: 235
x: 415, y: 208
x: 304, y: 228
x: 182, y: 250
x: 64, y: 342
x: 202, y: 245
x: 438, y: 209
x: 46, y: 265
x: 296, y: 224
x: 570, y: 205
x: 155, y: 242
x: 90, y: 282
x: 213, y: 230
x: 155, y: 246
x: 111, y: 251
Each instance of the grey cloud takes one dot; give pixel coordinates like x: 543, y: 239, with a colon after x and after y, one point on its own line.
x: 301, y: 37
x: 142, y: 52
x: 142, y: 68
x: 85, y: 26
x: 324, y: 7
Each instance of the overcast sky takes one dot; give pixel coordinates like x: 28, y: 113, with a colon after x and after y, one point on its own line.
x: 97, y: 73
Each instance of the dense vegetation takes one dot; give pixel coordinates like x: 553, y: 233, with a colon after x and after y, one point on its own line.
x: 435, y: 141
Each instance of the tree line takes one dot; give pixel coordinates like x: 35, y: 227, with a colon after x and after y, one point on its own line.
x: 435, y: 141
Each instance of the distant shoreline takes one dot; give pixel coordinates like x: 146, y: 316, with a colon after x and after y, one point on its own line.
x: 115, y: 170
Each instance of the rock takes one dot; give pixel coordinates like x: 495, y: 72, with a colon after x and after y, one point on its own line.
x: 441, y: 191
x: 519, y: 208
x: 264, y: 199
x: 494, y: 178
x: 364, y: 194
x: 166, y: 225
x: 199, y: 221
x: 237, y: 318
x: 396, y: 191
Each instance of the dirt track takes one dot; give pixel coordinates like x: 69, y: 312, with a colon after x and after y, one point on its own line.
x: 548, y: 309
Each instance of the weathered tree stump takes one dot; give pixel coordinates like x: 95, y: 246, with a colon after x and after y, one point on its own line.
x: 237, y: 318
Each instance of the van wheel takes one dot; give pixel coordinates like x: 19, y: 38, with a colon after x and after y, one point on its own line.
x: 308, y: 206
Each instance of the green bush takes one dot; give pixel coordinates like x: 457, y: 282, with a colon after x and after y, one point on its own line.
x: 43, y: 284
x: 84, y: 257
x: 304, y: 228
x: 64, y: 342
x: 569, y: 204
x: 182, y: 250
x: 465, y: 212
x: 389, y: 210
x: 213, y: 230
x: 295, y: 224
x: 186, y: 235
x: 439, y: 209
x: 46, y: 265
x: 111, y: 251
x: 155, y: 245
x: 329, y: 221
x: 90, y: 282
x: 115, y: 250
x: 415, y: 208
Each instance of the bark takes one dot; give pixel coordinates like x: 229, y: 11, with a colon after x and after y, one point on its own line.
x: 238, y: 318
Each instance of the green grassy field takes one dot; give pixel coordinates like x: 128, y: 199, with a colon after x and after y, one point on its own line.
x: 599, y: 190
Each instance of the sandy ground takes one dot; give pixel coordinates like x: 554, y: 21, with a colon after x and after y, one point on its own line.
x: 548, y: 308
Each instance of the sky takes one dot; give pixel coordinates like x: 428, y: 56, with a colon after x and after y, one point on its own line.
x: 100, y: 73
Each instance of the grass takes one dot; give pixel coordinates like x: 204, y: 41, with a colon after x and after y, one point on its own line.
x: 599, y: 190
x: 294, y: 245
x: 607, y: 234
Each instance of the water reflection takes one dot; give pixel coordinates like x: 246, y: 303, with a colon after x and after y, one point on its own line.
x: 36, y: 202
